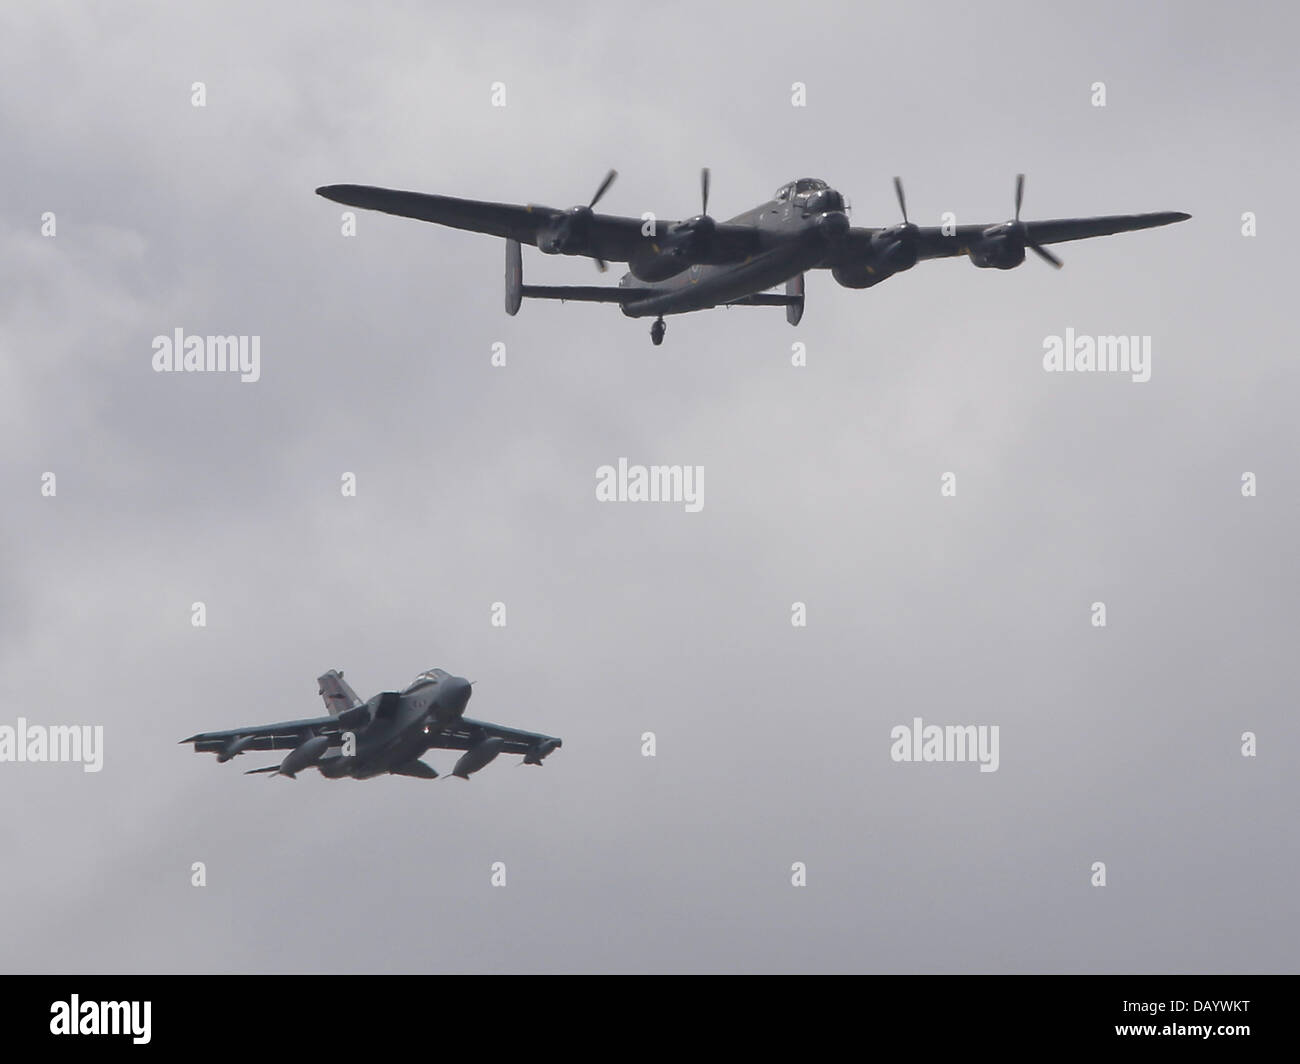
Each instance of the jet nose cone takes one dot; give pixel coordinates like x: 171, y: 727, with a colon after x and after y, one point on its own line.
x: 457, y: 692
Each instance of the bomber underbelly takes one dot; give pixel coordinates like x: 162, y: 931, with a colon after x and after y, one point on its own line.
x: 652, y: 266
x: 703, y: 287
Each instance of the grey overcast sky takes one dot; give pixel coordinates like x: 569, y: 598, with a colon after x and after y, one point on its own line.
x: 476, y: 485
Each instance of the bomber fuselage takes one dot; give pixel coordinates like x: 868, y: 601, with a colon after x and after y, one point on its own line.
x: 808, y: 209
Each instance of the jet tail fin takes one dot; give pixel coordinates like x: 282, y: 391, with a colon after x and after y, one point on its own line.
x: 337, y: 694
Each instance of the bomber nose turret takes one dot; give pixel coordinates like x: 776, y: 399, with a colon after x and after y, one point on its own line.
x: 826, y: 200
x: 833, y: 225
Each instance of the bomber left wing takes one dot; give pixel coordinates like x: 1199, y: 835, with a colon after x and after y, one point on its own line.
x: 933, y: 243
x: 866, y: 256
x: 576, y: 231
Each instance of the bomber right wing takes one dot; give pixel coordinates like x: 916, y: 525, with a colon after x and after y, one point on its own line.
x: 608, y: 237
x: 477, y: 216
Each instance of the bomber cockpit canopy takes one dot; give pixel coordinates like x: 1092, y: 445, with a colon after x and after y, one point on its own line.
x: 803, y: 185
x: 429, y: 676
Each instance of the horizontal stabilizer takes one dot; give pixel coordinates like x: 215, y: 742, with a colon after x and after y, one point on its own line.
x: 269, y: 768
x: 517, y: 291
x: 767, y: 299
x: 586, y: 293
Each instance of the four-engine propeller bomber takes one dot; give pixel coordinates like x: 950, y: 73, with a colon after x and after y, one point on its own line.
x: 700, y: 263
x: 387, y: 734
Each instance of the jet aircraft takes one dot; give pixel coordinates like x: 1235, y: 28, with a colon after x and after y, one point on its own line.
x: 681, y: 266
x: 386, y: 734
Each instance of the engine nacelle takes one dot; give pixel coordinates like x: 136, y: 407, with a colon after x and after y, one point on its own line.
x: 478, y: 756
x: 305, y: 756
x: 860, y: 275
x: 1000, y: 248
x: 670, y: 252
x: 889, y: 251
x: 894, y: 249
x: 538, y: 752
x: 567, y: 235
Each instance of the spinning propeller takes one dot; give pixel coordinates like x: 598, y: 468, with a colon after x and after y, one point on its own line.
x: 590, y: 208
x: 897, y: 245
x: 694, y: 236
x: 902, y: 201
x: 1021, y: 228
